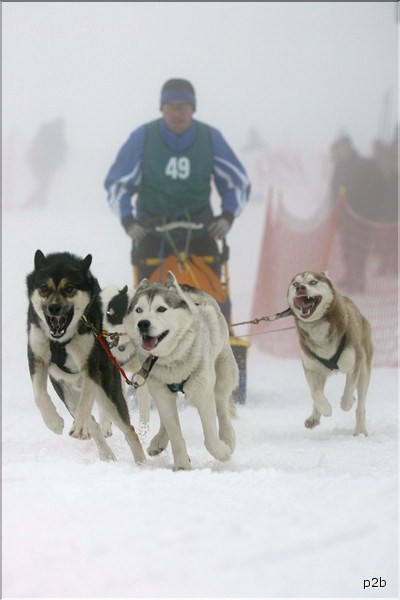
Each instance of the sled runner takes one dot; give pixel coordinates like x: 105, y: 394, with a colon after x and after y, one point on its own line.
x: 204, y: 270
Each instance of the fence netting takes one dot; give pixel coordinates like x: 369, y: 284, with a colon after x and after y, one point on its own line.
x: 360, y: 256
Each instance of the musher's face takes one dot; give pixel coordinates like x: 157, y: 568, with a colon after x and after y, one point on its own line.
x: 177, y: 115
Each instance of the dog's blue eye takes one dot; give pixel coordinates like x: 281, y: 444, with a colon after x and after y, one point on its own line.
x: 43, y: 289
x: 313, y: 282
x: 161, y: 309
x: 138, y: 309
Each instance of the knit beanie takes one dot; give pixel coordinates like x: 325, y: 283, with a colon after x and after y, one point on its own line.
x: 178, y: 89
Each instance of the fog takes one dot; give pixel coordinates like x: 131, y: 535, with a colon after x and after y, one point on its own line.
x: 298, y: 73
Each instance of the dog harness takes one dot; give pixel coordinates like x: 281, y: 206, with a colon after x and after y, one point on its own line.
x: 332, y: 363
x: 140, y: 377
x: 176, y: 387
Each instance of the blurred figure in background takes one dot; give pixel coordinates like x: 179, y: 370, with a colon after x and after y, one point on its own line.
x: 364, y: 185
x: 386, y: 158
x: 45, y: 156
x: 360, y: 176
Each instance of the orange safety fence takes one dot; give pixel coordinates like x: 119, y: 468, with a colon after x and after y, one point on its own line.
x: 361, y: 258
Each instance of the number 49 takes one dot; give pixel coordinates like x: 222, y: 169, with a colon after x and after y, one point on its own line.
x: 178, y: 167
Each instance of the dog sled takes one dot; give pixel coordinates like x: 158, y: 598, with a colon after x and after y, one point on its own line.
x: 208, y: 272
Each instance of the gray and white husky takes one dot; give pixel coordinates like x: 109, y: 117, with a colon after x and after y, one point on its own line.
x: 334, y: 336
x: 64, y: 316
x: 184, y: 335
x: 115, y: 303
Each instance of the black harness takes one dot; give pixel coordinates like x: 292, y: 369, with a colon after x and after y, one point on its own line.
x: 332, y: 363
x: 176, y: 387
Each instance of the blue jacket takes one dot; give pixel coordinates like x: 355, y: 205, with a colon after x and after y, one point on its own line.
x: 125, y: 174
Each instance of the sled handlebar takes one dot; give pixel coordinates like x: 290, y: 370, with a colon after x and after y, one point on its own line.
x: 178, y: 225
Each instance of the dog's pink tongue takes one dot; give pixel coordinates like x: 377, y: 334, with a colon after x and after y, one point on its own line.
x: 149, y: 343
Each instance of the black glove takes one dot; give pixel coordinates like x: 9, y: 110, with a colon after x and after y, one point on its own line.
x: 219, y: 228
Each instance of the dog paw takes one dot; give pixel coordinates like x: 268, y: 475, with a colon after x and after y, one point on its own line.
x: 220, y: 451
x: 79, y: 433
x: 55, y: 423
x: 182, y: 464
x: 156, y: 446
x: 347, y: 403
x: 229, y: 438
x: 107, y: 455
x: 138, y: 454
x: 106, y: 428
x: 154, y: 450
x: 359, y: 431
x: 181, y: 468
x: 324, y: 408
x: 311, y: 422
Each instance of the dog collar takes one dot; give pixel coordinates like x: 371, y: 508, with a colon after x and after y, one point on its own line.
x: 332, y: 363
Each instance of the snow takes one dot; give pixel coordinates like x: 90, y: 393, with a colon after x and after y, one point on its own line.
x: 294, y: 513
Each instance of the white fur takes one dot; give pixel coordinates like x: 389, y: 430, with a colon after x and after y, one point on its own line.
x: 320, y: 333
x: 79, y: 389
x: 195, y: 350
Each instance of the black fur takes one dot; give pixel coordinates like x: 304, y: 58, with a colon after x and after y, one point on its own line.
x: 59, y: 277
x: 117, y: 307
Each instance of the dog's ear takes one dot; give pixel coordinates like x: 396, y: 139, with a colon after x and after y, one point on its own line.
x: 143, y: 284
x: 85, y: 264
x: 124, y: 290
x: 40, y: 260
x: 171, y: 280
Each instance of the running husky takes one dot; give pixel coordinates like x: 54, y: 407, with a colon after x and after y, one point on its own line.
x: 183, y: 340
x: 115, y: 304
x: 64, y: 315
x: 334, y: 336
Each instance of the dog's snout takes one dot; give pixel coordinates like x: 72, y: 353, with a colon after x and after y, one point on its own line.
x: 54, y: 309
x: 144, y: 326
x: 301, y: 290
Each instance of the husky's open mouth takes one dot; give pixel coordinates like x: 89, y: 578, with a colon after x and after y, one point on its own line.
x: 149, y: 342
x: 306, y: 305
x: 58, y: 324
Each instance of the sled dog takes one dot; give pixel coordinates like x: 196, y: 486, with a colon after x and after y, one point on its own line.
x: 334, y: 336
x: 181, y: 333
x: 115, y: 304
x: 64, y: 315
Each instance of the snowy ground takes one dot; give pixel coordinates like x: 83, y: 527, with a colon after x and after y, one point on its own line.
x: 295, y: 513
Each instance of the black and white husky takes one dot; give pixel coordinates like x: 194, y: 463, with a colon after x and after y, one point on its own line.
x: 64, y: 316
x: 334, y: 337
x: 115, y: 303
x: 183, y: 338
